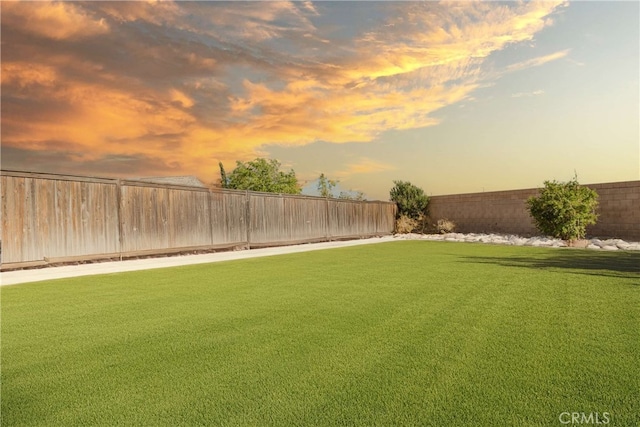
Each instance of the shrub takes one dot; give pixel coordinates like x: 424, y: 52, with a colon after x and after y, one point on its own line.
x: 261, y: 175
x: 564, y: 209
x: 411, y: 200
x: 444, y: 226
x: 405, y: 224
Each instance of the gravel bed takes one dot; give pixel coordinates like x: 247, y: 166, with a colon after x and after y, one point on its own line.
x: 513, y: 240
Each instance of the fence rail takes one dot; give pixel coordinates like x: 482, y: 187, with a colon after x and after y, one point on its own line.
x: 49, y: 218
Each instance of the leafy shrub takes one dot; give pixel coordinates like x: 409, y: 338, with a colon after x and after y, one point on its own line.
x: 444, y: 226
x: 405, y: 224
x: 261, y: 175
x: 564, y: 209
x: 411, y: 200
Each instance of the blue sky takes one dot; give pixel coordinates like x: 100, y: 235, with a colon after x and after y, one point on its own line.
x: 454, y: 96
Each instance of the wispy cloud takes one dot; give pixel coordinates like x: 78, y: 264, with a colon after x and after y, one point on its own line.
x: 527, y: 94
x: 363, y: 166
x: 538, y: 61
x: 193, y: 83
x: 574, y: 62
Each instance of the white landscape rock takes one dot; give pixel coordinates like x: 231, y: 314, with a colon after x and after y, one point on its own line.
x: 513, y: 240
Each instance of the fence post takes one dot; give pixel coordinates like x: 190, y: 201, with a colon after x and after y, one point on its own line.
x: 328, y: 233
x: 119, y: 215
x: 248, y: 218
x: 211, y: 214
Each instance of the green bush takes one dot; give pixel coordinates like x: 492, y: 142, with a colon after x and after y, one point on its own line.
x: 411, y: 200
x: 260, y: 175
x: 564, y: 209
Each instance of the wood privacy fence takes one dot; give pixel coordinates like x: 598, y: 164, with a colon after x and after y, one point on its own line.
x: 49, y: 218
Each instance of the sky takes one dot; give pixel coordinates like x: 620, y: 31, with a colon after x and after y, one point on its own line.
x: 455, y: 97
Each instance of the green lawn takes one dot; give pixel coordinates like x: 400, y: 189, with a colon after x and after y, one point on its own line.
x: 401, y: 333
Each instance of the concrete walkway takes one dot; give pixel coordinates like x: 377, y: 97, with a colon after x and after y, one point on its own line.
x: 36, y: 275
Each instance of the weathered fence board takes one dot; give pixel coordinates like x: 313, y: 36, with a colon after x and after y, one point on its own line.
x: 145, y: 218
x: 279, y: 219
x: 48, y: 216
x: 342, y: 218
x: 228, y: 218
x: 307, y: 219
x: 156, y: 218
x: 189, y: 218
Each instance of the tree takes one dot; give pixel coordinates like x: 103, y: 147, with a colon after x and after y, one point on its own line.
x: 564, y: 209
x: 224, y: 181
x: 352, y: 195
x: 411, y: 200
x: 326, y: 186
x: 263, y: 175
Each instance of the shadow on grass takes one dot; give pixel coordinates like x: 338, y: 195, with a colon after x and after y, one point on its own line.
x: 609, y: 264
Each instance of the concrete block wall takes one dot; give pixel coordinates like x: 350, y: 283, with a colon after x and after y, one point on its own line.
x: 505, y: 211
x: 619, y: 211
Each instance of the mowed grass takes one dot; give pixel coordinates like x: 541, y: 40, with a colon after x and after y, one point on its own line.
x: 401, y: 333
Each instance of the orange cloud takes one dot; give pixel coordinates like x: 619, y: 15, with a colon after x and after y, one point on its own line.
x: 181, y: 98
x: 23, y: 74
x: 195, y: 83
x: 155, y: 12
x: 56, y: 20
x: 398, y: 90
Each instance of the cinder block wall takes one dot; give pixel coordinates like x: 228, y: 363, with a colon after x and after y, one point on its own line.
x: 619, y: 210
x: 505, y: 211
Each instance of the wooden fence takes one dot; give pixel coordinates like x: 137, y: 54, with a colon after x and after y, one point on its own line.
x: 49, y: 218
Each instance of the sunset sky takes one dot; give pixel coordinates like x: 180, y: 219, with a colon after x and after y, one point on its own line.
x: 455, y: 97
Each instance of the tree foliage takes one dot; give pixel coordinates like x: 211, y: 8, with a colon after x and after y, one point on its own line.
x: 411, y: 200
x: 352, y: 195
x: 224, y: 181
x: 326, y: 186
x: 564, y: 209
x: 262, y: 175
